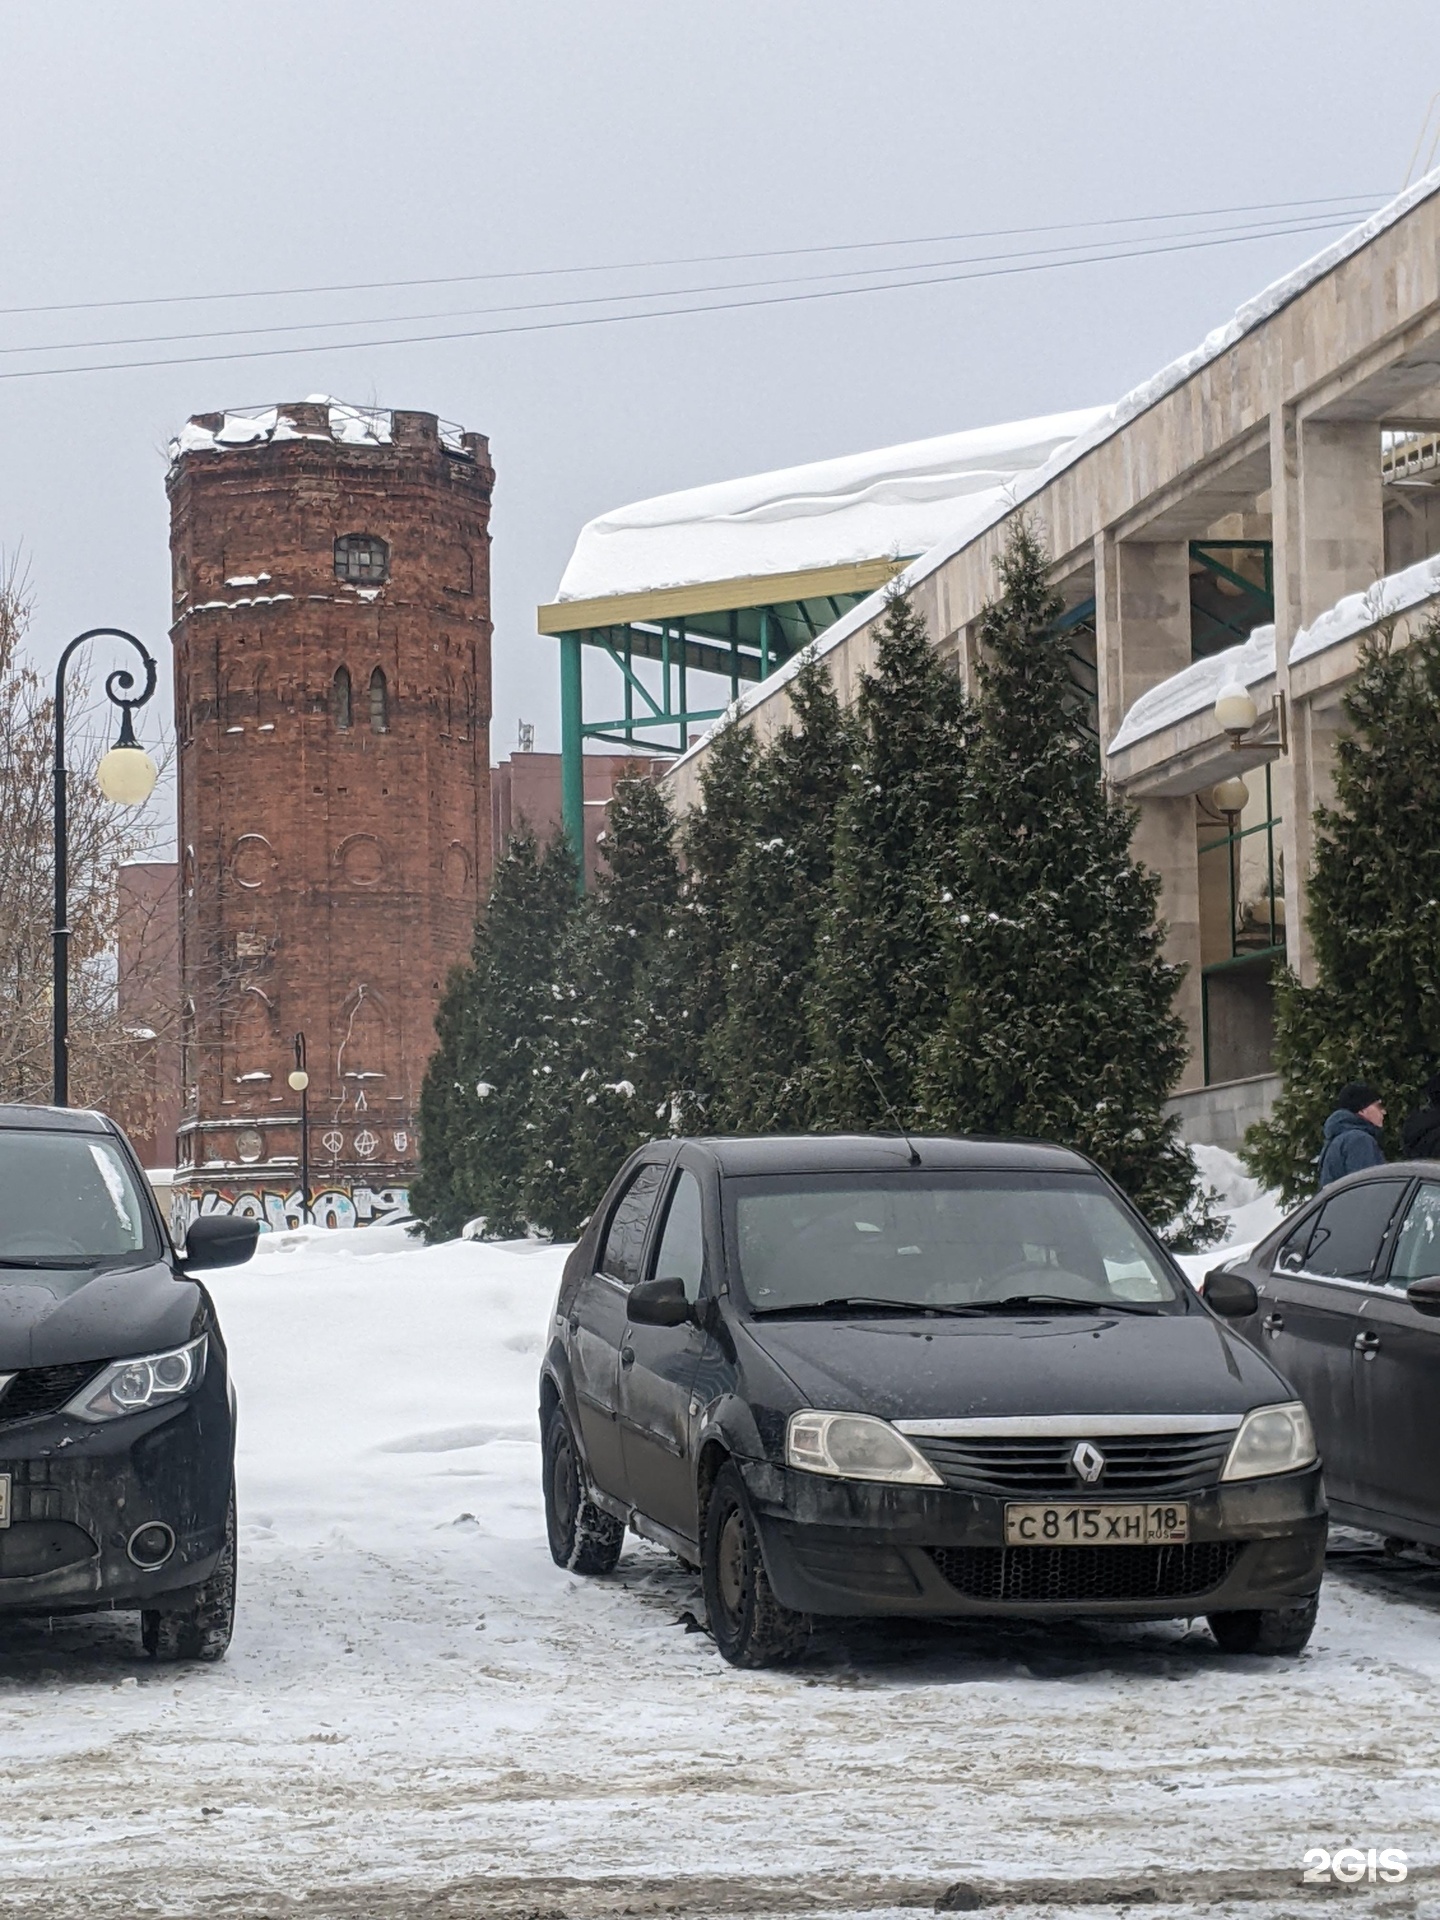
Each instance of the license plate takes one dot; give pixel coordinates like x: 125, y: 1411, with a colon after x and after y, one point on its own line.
x: 1110, y: 1525
x: 4, y: 1499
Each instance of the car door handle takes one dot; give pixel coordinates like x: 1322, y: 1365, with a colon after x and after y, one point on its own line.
x: 1273, y: 1323
x: 1368, y: 1344
x: 627, y: 1356
x: 574, y: 1323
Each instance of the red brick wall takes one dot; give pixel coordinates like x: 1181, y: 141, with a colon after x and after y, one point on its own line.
x: 147, y: 985
x: 329, y: 876
x: 526, y: 788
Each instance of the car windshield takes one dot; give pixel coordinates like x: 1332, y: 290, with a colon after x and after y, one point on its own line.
x: 67, y: 1198
x: 941, y: 1242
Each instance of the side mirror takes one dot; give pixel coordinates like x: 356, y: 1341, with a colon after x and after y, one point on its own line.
x: 1424, y: 1295
x: 218, y: 1240
x: 1230, y: 1294
x: 658, y: 1303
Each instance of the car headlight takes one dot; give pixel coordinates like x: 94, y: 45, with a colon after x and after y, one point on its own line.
x: 855, y: 1446
x: 1271, y: 1440
x: 129, y: 1386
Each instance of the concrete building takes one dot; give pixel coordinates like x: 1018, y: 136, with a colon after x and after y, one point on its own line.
x: 1247, y: 515
x: 332, y: 705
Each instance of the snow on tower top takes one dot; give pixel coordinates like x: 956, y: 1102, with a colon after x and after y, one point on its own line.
x: 862, y: 506
x: 352, y: 426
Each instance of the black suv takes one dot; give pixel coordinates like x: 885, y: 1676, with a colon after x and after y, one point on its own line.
x: 117, y: 1428
x: 856, y: 1375
x: 1348, y: 1307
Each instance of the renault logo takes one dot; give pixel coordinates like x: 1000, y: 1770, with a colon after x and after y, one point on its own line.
x: 1088, y: 1462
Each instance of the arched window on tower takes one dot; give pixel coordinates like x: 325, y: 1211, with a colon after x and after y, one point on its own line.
x: 340, y: 698
x: 379, y: 703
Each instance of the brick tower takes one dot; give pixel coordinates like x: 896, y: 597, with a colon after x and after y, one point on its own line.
x: 332, y: 708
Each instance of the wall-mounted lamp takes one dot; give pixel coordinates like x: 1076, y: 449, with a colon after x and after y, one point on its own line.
x: 1236, y: 715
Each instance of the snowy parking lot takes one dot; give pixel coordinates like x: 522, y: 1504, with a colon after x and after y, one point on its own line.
x: 421, y: 1715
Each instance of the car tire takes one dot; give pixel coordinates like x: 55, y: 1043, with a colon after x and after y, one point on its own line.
x: 201, y: 1627
x: 1272, y: 1630
x: 750, y: 1627
x: 583, y: 1538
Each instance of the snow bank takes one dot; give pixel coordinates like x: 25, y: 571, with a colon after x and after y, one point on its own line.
x: 1194, y: 688
x: 863, y: 506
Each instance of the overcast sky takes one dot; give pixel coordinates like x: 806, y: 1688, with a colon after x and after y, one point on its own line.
x: 158, y: 149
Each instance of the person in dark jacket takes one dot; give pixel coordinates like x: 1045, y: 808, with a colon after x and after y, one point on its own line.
x: 1420, y: 1132
x: 1352, y: 1133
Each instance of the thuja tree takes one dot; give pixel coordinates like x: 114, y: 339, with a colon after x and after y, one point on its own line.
x: 493, y: 1030
x: 880, y: 983
x: 1373, y: 1012
x: 608, y: 1069
x: 1059, y: 1019
x: 712, y: 840
x: 773, y: 903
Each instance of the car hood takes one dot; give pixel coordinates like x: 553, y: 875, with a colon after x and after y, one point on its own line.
x: 52, y: 1316
x: 929, y: 1369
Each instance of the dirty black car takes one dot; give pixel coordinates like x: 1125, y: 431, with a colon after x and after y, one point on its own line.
x: 117, y: 1428
x: 1347, y: 1305
x: 863, y: 1376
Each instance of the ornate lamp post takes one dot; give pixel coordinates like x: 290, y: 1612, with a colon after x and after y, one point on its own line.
x: 126, y: 776
x: 300, y: 1083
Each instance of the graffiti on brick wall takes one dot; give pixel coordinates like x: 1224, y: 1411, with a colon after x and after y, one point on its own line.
x: 277, y: 1209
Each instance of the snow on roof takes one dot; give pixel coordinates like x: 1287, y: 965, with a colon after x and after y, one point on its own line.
x: 1149, y: 392
x: 243, y: 426
x: 862, y: 506
x: 1396, y: 593
x: 1194, y: 688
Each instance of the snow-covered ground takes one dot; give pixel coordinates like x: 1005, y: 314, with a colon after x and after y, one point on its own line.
x: 422, y: 1715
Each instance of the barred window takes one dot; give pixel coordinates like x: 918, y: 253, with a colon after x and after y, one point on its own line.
x: 340, y: 697
x: 362, y: 558
x: 379, y: 703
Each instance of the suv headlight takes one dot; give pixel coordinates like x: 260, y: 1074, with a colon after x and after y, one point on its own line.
x: 129, y: 1386
x: 855, y: 1446
x: 1271, y: 1440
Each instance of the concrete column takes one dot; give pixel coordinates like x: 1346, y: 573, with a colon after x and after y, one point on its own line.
x: 1329, y: 540
x: 1142, y: 629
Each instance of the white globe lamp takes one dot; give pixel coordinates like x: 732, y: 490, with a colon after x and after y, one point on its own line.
x: 1235, y: 711
x: 127, y: 776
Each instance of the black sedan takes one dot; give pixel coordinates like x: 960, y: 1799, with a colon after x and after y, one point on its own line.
x: 117, y: 1429
x: 855, y: 1375
x: 1348, y: 1308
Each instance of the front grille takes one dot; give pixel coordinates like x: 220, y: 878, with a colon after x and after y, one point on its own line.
x: 1022, y: 1466
x: 38, y: 1390
x: 1086, y: 1573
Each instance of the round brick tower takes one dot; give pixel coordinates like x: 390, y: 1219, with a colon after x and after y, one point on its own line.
x: 332, y: 709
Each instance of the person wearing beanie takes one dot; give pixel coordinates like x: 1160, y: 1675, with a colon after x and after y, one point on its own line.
x: 1352, y: 1133
x: 1420, y: 1133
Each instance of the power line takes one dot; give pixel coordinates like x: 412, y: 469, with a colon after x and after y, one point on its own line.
x: 1272, y: 230
x: 693, y: 260
x: 662, y: 313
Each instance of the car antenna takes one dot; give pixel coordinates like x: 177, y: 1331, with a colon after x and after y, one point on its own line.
x: 885, y: 1102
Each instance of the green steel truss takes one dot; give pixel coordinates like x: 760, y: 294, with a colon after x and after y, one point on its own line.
x: 741, y: 645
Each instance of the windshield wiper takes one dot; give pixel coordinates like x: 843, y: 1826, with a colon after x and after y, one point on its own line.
x: 866, y: 1303
x: 55, y: 1263
x: 1060, y: 1302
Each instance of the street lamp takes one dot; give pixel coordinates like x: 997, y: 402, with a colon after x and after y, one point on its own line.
x: 300, y: 1083
x: 126, y: 776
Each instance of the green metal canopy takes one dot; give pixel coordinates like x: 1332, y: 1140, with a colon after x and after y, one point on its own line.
x: 738, y: 630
